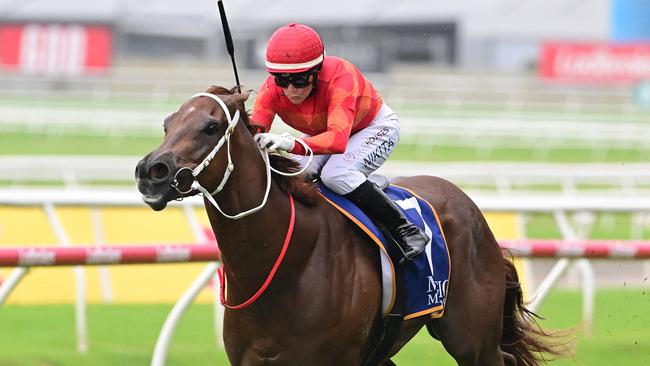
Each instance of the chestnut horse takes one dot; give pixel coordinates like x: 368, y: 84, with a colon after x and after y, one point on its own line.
x: 310, y: 277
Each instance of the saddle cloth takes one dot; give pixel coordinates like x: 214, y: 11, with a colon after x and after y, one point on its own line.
x: 425, y: 277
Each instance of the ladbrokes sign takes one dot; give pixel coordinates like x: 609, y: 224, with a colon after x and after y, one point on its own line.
x: 595, y: 62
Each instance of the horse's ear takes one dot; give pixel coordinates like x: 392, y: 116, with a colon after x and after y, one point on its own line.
x: 240, y: 98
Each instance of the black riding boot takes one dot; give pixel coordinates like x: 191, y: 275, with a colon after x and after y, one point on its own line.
x: 379, y: 207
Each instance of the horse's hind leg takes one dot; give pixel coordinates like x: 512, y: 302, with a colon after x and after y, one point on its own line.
x: 474, y: 352
x: 470, y: 329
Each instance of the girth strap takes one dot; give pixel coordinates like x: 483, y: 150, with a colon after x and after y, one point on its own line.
x: 385, y: 331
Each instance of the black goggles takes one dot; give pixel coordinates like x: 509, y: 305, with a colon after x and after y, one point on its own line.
x: 301, y: 80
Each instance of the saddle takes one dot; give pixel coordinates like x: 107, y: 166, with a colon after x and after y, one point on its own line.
x: 411, y: 290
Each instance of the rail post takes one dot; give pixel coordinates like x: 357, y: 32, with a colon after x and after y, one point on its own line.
x: 81, y: 325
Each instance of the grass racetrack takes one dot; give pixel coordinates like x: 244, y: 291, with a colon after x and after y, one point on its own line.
x: 21, y: 143
x: 44, y: 335
x: 126, y: 334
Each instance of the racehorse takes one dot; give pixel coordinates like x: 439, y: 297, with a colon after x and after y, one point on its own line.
x: 307, y: 276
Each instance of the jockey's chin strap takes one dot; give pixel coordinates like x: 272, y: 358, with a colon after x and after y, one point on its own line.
x: 225, y: 139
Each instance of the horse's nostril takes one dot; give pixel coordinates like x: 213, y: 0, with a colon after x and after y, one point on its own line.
x: 141, y: 170
x: 159, y: 171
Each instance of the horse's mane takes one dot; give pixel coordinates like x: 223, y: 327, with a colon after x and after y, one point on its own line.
x: 302, y: 188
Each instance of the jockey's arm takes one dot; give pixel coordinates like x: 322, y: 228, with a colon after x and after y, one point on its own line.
x: 332, y: 141
x: 263, y: 111
x: 341, y: 112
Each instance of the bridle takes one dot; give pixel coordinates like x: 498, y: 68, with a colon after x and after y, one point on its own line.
x: 225, y: 140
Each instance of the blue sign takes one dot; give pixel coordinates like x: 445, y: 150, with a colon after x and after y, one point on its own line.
x: 630, y: 20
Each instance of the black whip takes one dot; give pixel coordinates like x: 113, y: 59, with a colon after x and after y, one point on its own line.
x: 228, y: 37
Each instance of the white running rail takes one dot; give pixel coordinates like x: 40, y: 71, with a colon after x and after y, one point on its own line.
x: 560, y: 206
x: 506, y: 177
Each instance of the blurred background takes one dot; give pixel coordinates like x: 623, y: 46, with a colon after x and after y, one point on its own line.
x: 540, y: 110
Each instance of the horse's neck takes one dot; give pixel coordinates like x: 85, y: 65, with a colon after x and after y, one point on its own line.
x: 249, y: 245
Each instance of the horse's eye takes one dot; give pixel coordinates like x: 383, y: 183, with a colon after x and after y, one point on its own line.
x: 211, y: 129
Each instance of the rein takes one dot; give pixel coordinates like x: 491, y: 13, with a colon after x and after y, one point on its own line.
x: 269, y: 278
x: 225, y: 140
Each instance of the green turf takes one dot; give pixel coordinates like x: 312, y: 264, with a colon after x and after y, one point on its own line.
x: 75, y: 102
x: 606, y: 226
x: 42, y: 144
x: 118, y: 335
x: 551, y: 112
x: 126, y: 334
x: 38, y: 143
x: 472, y: 109
x: 621, y: 333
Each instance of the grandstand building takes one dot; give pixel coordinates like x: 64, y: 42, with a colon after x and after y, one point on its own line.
x: 492, y: 34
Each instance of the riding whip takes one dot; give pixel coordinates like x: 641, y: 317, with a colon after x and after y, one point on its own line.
x: 228, y: 37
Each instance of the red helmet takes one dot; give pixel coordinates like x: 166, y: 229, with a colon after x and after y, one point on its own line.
x: 294, y: 48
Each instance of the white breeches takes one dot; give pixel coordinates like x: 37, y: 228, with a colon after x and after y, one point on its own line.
x: 366, y: 151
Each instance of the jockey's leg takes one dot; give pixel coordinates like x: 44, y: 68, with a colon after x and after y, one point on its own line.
x: 381, y: 208
x: 346, y: 174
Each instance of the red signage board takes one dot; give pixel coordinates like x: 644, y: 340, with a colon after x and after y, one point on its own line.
x: 52, y: 49
x: 595, y: 62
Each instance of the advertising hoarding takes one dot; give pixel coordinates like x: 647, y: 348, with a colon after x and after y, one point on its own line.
x: 595, y: 62
x: 55, y: 49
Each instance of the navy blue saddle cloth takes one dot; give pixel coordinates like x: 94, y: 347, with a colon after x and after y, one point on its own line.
x: 426, y: 277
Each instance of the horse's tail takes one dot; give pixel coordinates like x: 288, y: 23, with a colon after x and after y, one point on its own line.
x: 522, y: 337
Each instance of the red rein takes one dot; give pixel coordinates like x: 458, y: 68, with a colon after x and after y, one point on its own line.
x: 285, y: 246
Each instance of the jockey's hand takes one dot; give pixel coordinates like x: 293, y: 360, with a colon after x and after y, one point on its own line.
x: 273, y: 142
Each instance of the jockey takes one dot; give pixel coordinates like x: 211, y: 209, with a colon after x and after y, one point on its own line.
x: 349, y: 128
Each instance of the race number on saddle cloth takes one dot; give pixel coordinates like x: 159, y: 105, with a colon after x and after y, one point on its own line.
x: 426, y: 277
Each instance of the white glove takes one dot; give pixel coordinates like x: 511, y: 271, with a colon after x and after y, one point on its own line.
x: 272, y: 142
